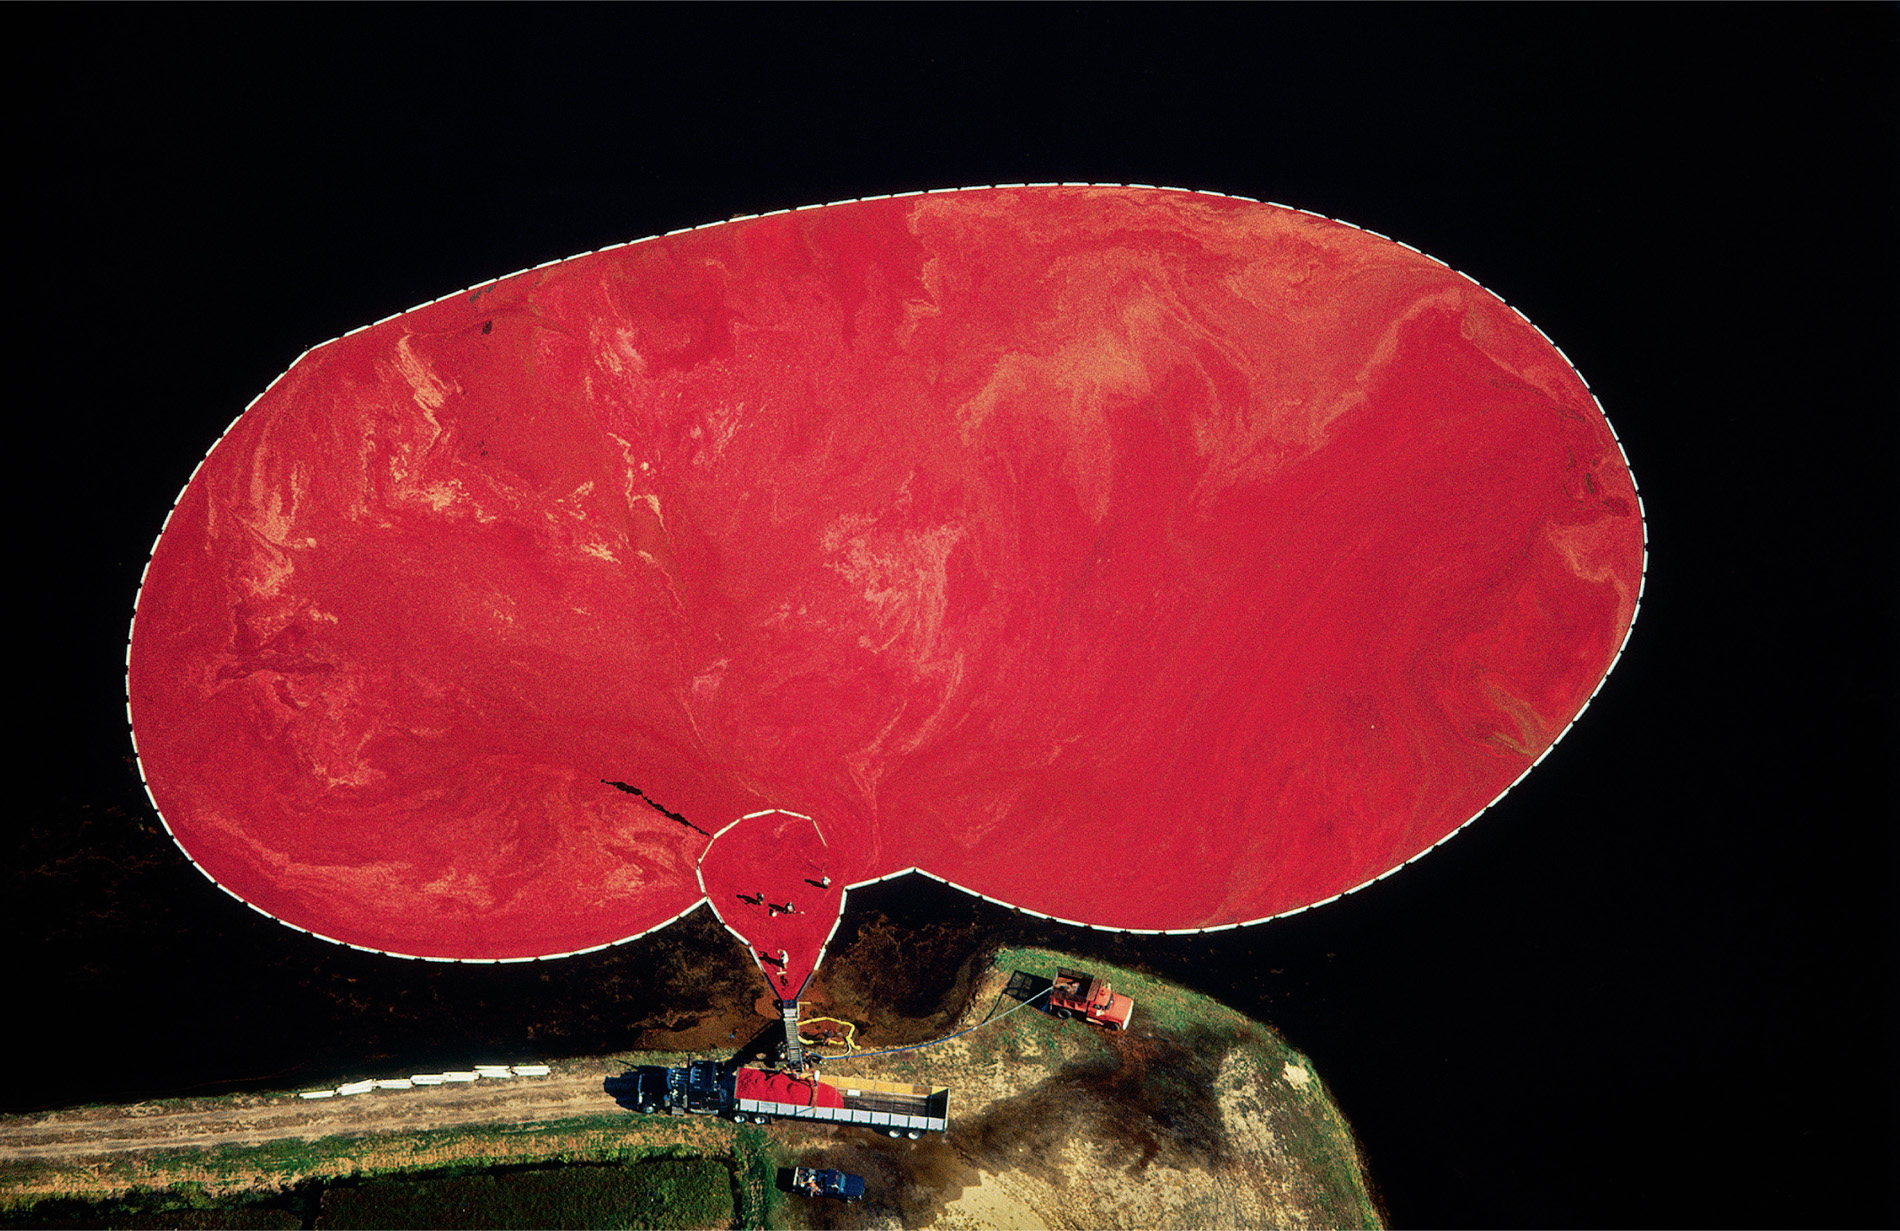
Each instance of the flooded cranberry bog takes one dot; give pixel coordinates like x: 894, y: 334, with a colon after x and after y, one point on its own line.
x: 1247, y: 551
x: 1144, y: 560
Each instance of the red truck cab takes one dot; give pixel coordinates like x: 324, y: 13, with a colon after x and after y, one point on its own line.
x: 1076, y: 994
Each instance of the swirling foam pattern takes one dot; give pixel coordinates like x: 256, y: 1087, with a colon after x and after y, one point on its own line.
x: 1144, y: 558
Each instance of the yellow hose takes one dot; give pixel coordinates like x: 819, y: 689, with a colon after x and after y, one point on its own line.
x: 850, y: 1034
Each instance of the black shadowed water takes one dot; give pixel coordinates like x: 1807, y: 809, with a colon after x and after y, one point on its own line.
x: 1454, y: 1003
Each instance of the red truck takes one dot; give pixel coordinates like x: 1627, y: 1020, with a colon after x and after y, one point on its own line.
x: 1076, y: 994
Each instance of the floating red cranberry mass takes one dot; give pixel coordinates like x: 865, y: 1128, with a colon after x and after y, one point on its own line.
x: 1143, y: 558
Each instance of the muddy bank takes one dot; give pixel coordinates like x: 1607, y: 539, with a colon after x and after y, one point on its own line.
x: 1195, y: 1116
x: 147, y: 982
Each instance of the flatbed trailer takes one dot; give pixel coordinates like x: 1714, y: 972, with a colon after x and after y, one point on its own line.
x: 894, y: 1108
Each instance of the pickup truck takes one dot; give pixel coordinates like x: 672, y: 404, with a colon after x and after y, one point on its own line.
x: 828, y: 1182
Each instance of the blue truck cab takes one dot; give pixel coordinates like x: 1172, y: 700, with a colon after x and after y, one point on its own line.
x: 828, y: 1182
x: 702, y: 1088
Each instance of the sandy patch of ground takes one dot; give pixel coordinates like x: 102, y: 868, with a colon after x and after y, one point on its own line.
x: 1061, y: 1125
x: 989, y: 1205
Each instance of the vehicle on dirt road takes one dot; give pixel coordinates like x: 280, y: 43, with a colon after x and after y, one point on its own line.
x: 1078, y: 994
x: 828, y: 1182
x: 758, y: 1096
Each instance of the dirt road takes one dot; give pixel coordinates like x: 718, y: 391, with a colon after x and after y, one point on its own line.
x: 573, y: 1089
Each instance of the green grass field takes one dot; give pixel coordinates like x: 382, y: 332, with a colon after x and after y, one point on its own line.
x: 664, y: 1193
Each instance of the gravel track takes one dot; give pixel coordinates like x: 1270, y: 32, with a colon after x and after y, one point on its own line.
x: 65, y: 1136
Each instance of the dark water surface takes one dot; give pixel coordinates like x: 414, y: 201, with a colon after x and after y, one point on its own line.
x: 1656, y: 986
x: 1508, y: 1029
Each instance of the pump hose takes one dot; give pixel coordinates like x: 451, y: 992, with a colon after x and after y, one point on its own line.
x: 892, y: 1051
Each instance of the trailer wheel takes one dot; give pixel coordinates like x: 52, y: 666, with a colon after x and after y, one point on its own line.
x: 893, y: 1132
x: 646, y: 1109
x: 914, y: 1134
